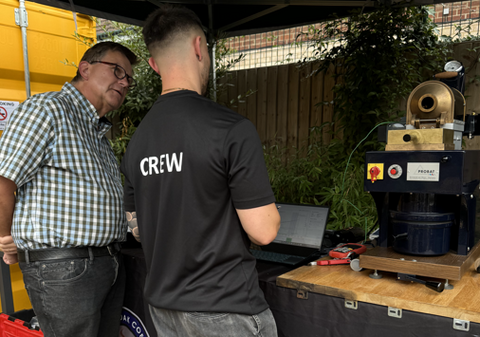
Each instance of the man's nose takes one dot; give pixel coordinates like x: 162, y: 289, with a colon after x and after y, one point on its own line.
x: 124, y: 82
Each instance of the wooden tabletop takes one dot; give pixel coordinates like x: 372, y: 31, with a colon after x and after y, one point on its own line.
x: 462, y: 302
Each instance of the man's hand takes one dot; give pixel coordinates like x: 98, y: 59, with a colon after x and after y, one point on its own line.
x: 10, y: 258
x: 132, y: 223
x: 7, y: 245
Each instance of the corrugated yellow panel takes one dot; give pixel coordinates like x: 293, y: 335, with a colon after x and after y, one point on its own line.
x: 51, y: 40
x: 20, y: 296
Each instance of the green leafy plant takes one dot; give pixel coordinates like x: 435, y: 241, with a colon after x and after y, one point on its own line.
x: 378, y: 57
x: 311, y: 175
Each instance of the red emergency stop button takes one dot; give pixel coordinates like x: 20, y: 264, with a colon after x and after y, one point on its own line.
x: 374, y: 172
x: 394, y: 171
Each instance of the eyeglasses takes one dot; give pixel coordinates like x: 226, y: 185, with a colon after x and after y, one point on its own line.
x: 120, y: 73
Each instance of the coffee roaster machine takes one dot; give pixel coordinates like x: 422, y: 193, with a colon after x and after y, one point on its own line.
x: 425, y: 187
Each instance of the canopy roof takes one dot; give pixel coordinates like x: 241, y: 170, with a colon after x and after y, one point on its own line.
x: 234, y: 17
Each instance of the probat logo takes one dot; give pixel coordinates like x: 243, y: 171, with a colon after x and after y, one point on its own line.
x: 131, y: 325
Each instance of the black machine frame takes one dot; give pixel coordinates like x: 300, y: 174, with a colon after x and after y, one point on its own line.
x: 459, y: 177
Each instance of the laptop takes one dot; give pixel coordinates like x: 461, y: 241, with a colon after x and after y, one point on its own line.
x: 300, y: 237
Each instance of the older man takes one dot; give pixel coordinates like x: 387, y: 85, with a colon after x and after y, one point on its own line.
x: 67, y: 214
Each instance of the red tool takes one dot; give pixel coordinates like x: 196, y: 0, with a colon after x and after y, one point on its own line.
x: 343, y: 254
x: 329, y: 262
x: 345, y: 251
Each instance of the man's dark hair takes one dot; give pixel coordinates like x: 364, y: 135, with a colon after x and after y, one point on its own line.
x: 162, y: 26
x: 98, y: 51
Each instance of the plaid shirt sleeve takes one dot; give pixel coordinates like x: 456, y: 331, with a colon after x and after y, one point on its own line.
x: 24, y: 144
x: 69, y: 187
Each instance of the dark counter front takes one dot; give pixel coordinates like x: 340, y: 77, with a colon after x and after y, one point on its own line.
x: 135, y: 316
x: 326, y: 316
x: 306, y: 313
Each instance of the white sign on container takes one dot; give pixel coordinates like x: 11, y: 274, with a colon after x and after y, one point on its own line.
x: 6, y: 109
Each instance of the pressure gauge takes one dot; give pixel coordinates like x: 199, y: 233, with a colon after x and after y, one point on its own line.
x: 453, y: 66
x: 395, y: 171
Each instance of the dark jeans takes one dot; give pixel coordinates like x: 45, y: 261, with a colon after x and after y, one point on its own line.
x: 171, y: 323
x: 77, y: 297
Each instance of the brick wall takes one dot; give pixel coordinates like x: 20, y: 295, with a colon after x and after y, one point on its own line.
x: 456, y: 11
x: 290, y: 45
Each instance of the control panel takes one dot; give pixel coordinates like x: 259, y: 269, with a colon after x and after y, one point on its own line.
x: 418, y: 171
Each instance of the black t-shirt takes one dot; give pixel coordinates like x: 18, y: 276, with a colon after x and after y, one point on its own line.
x: 190, y: 164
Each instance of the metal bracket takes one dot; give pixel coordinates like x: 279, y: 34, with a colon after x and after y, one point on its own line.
x: 21, y: 17
x: 459, y: 324
x: 394, y: 312
x: 351, y: 304
x: 302, y: 294
x: 6, y: 288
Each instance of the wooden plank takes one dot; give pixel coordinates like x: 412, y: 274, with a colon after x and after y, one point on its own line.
x: 328, y: 96
x: 232, y: 90
x: 473, y: 87
x: 304, y: 108
x: 293, y: 105
x: 449, y: 266
x: 240, y: 93
x: 471, y: 91
x: 462, y: 302
x: 468, y: 59
x: 337, y: 126
x: 272, y: 76
x: 222, y: 93
x: 262, y: 103
x: 316, y: 112
x: 252, y: 99
x: 282, y: 106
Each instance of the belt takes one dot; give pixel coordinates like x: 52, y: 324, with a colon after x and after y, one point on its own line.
x: 67, y: 253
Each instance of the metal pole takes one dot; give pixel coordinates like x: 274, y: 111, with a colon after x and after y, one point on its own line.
x: 214, y: 70
x: 21, y: 19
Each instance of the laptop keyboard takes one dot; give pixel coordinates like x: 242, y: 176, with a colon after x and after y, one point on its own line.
x: 276, y: 257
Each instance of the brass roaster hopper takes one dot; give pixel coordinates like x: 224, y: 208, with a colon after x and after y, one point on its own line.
x: 430, y: 120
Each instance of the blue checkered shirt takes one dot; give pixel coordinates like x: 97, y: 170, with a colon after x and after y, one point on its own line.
x: 69, y: 186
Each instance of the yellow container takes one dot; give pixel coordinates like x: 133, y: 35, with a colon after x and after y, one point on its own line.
x: 20, y: 296
x: 51, y: 39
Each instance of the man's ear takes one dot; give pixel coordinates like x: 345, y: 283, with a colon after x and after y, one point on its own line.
x: 197, y: 45
x: 153, y: 64
x: 84, y: 69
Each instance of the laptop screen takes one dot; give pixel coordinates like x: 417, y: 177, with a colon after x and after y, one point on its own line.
x: 302, y: 225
